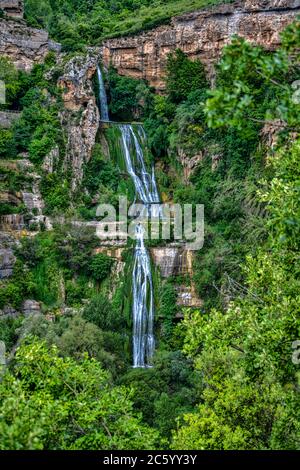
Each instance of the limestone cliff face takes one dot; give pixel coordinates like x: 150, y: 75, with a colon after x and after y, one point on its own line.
x: 201, y: 34
x: 80, y: 117
x: 14, y: 8
x: 23, y: 45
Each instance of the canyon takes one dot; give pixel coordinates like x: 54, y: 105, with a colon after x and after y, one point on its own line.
x: 201, y: 35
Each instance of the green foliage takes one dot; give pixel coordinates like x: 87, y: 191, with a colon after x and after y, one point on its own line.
x: 125, y: 97
x: 167, y: 309
x: 49, y: 402
x: 101, y: 313
x: 9, y: 75
x: 254, y: 86
x: 100, y: 172
x: 74, y: 246
x: 55, y: 190
x: 183, y: 76
x: 100, y: 267
x: 76, y: 23
x: 6, y: 144
x: 245, y: 352
x: 165, y: 391
x: 8, y: 331
x: 19, y: 287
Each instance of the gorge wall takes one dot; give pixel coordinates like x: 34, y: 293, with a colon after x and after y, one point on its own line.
x: 23, y: 45
x: 201, y: 34
x: 14, y: 8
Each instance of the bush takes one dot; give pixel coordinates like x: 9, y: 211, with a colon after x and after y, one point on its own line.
x: 100, y: 312
x: 184, y: 76
x: 100, y: 267
x: 125, y: 102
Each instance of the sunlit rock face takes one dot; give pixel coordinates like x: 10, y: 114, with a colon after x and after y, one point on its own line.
x: 172, y: 260
x: 81, y: 115
x: 177, y: 261
x: 202, y: 35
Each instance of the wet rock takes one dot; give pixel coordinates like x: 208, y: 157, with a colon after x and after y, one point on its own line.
x: 8, y: 312
x: 7, y: 118
x: 51, y: 160
x: 187, y: 297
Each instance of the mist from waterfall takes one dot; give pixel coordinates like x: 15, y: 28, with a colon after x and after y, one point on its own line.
x: 102, y: 96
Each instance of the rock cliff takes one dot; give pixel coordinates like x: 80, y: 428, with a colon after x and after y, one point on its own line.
x: 23, y: 45
x: 201, y: 34
x: 80, y: 117
x: 14, y: 8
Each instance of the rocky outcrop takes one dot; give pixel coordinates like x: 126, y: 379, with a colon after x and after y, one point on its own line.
x: 13, y: 8
x: 202, y: 35
x: 31, y: 307
x: 23, y: 45
x: 51, y: 160
x: 187, y: 297
x: 7, y: 262
x: 7, y: 118
x: 177, y: 261
x: 81, y: 115
x: 172, y: 260
x: 12, y: 223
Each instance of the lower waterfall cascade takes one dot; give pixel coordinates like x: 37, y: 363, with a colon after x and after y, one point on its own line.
x: 132, y: 141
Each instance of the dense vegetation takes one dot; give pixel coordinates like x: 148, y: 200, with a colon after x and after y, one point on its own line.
x: 223, y: 378
x: 76, y: 23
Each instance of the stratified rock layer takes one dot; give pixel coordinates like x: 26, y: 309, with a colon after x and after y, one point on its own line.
x: 80, y: 117
x: 14, y: 8
x: 201, y: 34
x: 24, y: 46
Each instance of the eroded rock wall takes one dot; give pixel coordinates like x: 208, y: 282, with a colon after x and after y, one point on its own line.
x: 80, y: 117
x: 23, y: 45
x: 14, y: 8
x: 202, y: 35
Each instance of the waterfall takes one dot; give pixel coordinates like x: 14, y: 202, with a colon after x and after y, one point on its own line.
x: 102, y: 96
x: 144, y: 183
x: 143, y: 307
x: 146, y: 192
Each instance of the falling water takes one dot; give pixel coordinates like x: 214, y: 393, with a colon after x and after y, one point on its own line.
x: 144, y: 183
x: 146, y: 192
x: 143, y: 308
x: 102, y: 96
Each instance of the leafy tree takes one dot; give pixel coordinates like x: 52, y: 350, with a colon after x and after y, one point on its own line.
x: 245, y: 352
x: 183, y: 76
x: 9, y: 75
x: 255, y: 86
x: 49, y: 402
x: 100, y: 267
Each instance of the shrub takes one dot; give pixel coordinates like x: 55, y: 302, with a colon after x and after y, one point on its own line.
x: 184, y: 76
x: 100, y: 267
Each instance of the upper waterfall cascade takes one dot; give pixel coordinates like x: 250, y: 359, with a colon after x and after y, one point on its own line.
x: 132, y: 142
x: 102, y: 96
